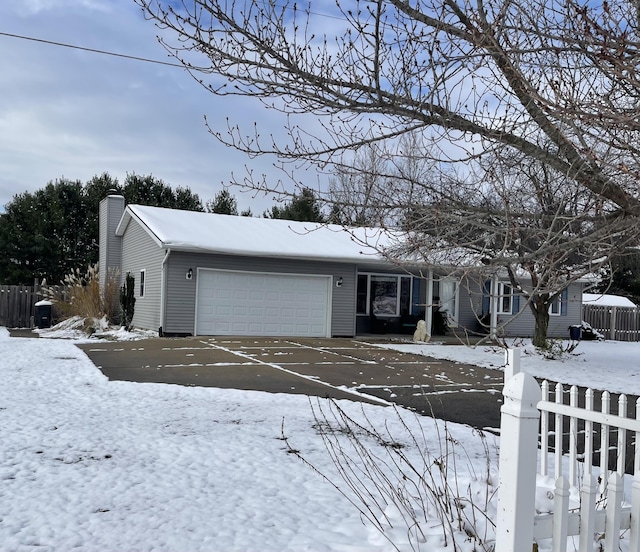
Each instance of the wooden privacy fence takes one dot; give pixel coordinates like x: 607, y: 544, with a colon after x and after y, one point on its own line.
x: 618, y: 323
x: 592, y: 454
x: 17, y: 306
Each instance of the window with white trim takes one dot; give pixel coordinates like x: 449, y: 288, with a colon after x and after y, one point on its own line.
x: 505, y: 298
x: 143, y: 274
x: 559, y: 305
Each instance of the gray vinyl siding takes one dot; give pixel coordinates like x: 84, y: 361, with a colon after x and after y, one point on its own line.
x: 181, y: 293
x: 523, y: 323
x: 470, y: 307
x: 141, y: 252
x: 110, y: 245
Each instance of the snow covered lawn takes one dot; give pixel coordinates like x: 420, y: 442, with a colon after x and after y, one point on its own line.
x: 92, y: 465
x: 607, y: 365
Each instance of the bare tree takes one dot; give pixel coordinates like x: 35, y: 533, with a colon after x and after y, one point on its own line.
x: 553, y: 84
x: 515, y: 214
x: 512, y: 214
x: 468, y: 73
x: 379, y: 183
x: 357, y: 191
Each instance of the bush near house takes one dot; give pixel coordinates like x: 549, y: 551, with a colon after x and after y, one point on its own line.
x: 127, y: 301
x: 79, y: 295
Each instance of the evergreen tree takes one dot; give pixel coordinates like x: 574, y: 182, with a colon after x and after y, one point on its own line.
x: 148, y: 190
x: 127, y: 301
x: 224, y: 204
x: 43, y: 235
x: 622, y: 277
x: 49, y: 233
x: 304, y: 207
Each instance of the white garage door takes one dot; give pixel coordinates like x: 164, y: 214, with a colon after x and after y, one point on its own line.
x: 247, y: 303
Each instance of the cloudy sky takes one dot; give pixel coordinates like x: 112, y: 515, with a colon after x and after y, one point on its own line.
x: 71, y: 113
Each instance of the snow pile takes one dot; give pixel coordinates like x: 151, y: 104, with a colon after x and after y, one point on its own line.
x: 79, y: 328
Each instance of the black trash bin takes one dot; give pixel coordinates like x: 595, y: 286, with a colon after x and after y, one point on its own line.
x: 575, y: 333
x: 43, y: 314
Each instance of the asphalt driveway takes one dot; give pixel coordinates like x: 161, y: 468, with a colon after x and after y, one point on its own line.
x: 338, y: 368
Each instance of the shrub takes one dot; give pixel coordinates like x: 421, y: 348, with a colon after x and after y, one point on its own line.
x: 127, y: 301
x: 79, y: 295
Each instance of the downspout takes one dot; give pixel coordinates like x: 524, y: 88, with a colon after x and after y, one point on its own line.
x: 163, y: 282
x: 428, y: 311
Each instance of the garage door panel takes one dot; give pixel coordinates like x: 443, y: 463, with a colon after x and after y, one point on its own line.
x: 240, y: 303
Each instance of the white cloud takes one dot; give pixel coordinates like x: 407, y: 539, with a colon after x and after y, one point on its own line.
x: 32, y: 7
x: 73, y: 113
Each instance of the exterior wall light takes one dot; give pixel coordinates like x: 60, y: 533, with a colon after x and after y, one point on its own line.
x: 339, y: 282
x: 190, y: 274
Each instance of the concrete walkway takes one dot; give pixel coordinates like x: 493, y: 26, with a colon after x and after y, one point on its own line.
x: 340, y: 368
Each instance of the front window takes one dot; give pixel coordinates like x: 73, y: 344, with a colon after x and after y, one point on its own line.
x: 383, y: 295
x: 362, y: 294
x: 555, y: 309
x: 505, y: 298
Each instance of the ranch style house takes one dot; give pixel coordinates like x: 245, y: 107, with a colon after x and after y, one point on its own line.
x: 221, y: 275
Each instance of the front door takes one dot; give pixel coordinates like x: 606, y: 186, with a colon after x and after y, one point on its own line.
x: 449, y: 288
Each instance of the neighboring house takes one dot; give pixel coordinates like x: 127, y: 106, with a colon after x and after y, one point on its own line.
x: 209, y: 274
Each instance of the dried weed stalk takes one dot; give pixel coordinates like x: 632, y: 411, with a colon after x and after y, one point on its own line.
x: 409, y: 493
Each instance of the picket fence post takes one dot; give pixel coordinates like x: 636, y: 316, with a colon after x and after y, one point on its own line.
x: 518, y: 463
x: 512, y: 363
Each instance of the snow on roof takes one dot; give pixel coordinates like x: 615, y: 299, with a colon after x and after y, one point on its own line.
x: 228, y: 234
x: 603, y: 299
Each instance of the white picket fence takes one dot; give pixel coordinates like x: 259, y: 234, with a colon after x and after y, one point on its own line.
x: 542, y: 435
